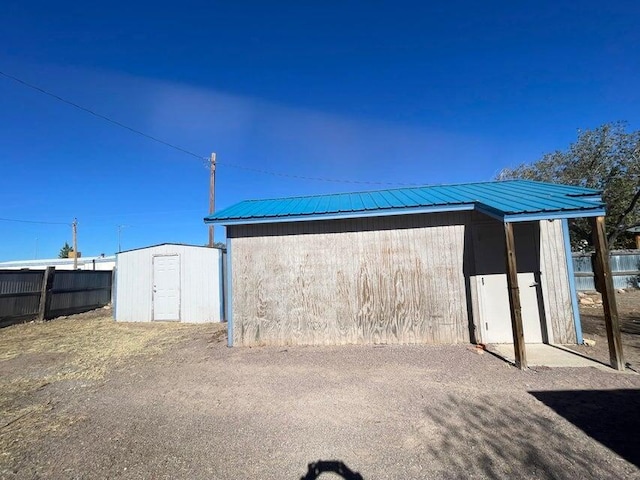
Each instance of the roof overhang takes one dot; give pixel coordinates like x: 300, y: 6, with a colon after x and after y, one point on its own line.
x: 509, y: 201
x: 345, y: 215
x: 481, y: 208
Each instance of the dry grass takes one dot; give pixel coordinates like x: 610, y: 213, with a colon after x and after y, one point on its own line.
x: 73, y: 352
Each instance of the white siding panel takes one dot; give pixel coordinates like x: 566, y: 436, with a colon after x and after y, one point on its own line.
x: 200, y: 299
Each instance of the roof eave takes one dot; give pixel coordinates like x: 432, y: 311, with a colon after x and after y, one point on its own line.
x: 342, y: 215
x: 484, y: 209
x: 553, y: 215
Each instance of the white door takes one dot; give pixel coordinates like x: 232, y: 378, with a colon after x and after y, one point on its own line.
x: 166, y: 287
x: 491, y: 278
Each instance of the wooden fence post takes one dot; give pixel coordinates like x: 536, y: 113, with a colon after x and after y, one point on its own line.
x: 604, y: 284
x: 514, y: 298
x: 45, y: 292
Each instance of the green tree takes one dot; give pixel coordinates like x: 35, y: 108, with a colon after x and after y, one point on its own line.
x: 220, y: 245
x: 606, y: 158
x: 64, y: 251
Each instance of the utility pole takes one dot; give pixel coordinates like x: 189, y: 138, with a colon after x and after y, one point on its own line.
x: 120, y: 227
x: 212, y: 195
x: 74, y: 230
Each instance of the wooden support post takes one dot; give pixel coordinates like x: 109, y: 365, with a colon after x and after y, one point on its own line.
x: 45, y: 292
x: 604, y: 284
x: 638, y: 241
x: 514, y: 298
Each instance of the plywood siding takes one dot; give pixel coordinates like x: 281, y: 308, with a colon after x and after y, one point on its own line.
x: 555, y: 283
x: 376, y: 280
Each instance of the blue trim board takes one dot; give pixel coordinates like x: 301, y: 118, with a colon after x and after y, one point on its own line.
x: 221, y: 284
x: 572, y: 282
x: 228, y: 299
x: 534, y: 217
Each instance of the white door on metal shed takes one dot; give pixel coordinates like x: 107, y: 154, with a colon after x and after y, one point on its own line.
x: 491, y: 278
x: 166, y: 287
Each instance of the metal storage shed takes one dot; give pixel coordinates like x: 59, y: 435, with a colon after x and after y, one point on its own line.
x: 169, y: 282
x: 482, y: 263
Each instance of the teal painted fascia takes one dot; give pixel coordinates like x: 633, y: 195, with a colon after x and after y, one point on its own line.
x: 565, y: 214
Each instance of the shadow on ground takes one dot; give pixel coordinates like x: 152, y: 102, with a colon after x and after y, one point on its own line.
x: 482, y: 437
x: 333, y: 466
x: 612, y: 417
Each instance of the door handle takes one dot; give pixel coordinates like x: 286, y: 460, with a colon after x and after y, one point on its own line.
x: 534, y: 284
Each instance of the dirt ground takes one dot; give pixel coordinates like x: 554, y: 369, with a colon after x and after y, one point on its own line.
x: 73, y: 353
x: 593, y: 328
x: 89, y: 398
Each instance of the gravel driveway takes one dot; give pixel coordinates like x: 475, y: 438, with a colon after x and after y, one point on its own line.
x: 202, y: 410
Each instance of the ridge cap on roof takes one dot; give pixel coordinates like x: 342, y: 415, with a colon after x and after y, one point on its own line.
x: 407, y: 187
x: 540, y: 182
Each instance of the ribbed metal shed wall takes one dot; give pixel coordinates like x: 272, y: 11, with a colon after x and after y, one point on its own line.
x: 200, y: 283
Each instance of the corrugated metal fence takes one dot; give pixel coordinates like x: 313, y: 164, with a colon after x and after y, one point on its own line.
x: 29, y: 294
x: 625, y: 268
x: 19, y: 294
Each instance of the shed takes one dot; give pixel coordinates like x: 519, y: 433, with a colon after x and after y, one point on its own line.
x: 169, y: 282
x: 482, y: 263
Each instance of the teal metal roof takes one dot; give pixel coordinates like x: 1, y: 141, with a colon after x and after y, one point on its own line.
x: 512, y: 200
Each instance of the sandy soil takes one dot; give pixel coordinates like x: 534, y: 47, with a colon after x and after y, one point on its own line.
x: 593, y: 328
x: 194, y: 408
x: 75, y: 351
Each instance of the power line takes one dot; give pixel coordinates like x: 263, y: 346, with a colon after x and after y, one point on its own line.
x: 33, y: 221
x: 188, y: 152
x: 99, y: 115
x: 321, y: 179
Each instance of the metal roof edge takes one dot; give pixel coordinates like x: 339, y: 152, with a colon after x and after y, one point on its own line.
x: 346, y: 215
x: 578, y: 213
x: 166, y: 244
x: 479, y: 207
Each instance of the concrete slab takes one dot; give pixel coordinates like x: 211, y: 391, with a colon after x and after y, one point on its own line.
x: 543, y: 355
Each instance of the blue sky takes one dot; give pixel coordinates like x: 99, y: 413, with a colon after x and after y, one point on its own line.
x: 397, y: 92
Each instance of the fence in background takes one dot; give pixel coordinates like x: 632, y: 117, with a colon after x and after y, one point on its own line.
x: 44, y: 294
x: 625, y: 269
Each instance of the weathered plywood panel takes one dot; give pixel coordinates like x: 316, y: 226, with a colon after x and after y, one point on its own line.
x: 555, y: 283
x: 371, y: 280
